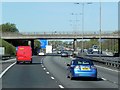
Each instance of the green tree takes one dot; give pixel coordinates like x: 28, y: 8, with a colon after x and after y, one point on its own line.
x: 55, y: 43
x: 9, y: 48
x: 36, y: 46
x: 8, y: 27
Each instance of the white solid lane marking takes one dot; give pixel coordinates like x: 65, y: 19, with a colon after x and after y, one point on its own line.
x: 106, y: 68
x: 52, y: 78
x: 6, y: 69
x: 42, y: 59
x: 61, y: 86
x: 47, y: 72
x: 104, y: 79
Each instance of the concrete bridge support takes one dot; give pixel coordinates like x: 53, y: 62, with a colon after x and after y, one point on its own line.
x: 32, y: 45
x: 119, y: 47
x: 75, y: 44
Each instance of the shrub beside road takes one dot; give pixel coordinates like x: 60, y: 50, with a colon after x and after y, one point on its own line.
x: 9, y: 48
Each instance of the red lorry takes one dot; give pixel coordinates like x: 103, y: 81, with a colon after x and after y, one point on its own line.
x: 24, y: 54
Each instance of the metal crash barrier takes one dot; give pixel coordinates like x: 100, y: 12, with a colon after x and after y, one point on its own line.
x: 109, y: 62
x: 6, y: 57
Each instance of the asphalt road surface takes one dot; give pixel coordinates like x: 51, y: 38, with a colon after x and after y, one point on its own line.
x: 28, y: 76
x: 57, y: 66
x: 50, y: 72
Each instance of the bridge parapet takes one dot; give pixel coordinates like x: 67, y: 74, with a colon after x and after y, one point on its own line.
x: 64, y: 35
x: 59, y: 33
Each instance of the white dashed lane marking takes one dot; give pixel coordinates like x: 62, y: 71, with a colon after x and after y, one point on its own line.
x: 44, y: 68
x: 61, y: 86
x: 52, y: 78
x: 104, y: 79
x: 47, y: 72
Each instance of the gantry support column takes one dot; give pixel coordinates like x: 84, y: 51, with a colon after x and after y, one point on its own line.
x: 75, y: 44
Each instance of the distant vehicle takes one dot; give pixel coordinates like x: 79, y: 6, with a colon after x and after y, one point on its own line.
x: 41, y: 53
x: 64, y: 54
x: 95, y: 49
x: 59, y: 52
x: 70, y: 53
x: 80, y: 67
x: 54, y: 49
x: 24, y: 54
x: 76, y: 53
x: 90, y: 51
x: 49, y: 49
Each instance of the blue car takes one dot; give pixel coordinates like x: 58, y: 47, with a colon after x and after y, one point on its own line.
x: 80, y: 67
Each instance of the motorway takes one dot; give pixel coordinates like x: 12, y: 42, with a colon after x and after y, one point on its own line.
x: 57, y: 66
x: 28, y: 76
x: 50, y: 72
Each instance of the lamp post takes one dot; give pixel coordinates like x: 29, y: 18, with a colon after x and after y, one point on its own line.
x: 76, y: 28
x: 82, y: 27
x: 83, y: 4
x: 76, y: 20
x: 100, y: 42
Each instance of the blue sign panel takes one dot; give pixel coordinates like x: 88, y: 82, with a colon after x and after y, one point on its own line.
x: 43, y: 43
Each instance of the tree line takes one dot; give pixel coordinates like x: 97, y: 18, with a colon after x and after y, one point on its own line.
x: 110, y: 45
x: 10, y: 45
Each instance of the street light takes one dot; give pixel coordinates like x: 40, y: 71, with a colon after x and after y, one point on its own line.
x: 76, y: 20
x: 100, y: 42
x: 83, y: 22
x: 76, y: 28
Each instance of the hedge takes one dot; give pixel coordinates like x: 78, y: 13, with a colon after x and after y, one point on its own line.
x: 9, y: 48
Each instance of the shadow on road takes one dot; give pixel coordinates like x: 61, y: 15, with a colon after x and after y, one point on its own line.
x: 29, y: 63
x: 87, y: 79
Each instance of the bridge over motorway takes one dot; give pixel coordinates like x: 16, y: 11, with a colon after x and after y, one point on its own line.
x: 36, y: 35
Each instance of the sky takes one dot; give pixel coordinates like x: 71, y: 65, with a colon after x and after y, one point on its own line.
x: 60, y: 16
x: 59, y: 0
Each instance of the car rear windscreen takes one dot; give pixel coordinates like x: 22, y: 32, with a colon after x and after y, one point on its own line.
x: 77, y: 62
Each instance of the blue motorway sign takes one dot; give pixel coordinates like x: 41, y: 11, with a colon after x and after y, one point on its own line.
x: 43, y: 43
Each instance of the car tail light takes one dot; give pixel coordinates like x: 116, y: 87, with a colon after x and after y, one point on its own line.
x: 77, y: 67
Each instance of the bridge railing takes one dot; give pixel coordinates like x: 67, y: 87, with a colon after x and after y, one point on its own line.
x: 59, y: 33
